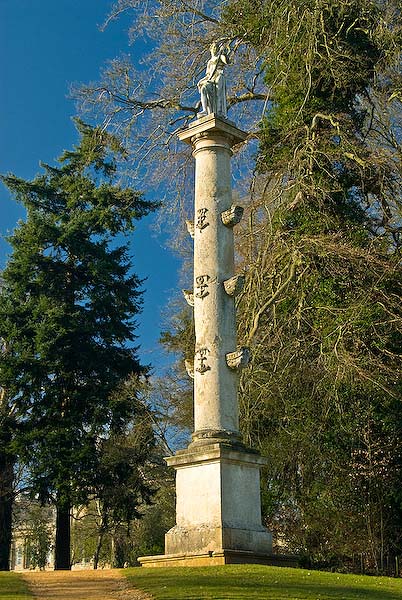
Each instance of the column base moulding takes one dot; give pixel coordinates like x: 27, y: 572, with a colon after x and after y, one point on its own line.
x: 208, y: 437
x: 219, y: 557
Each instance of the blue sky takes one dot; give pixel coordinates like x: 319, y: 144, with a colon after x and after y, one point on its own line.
x: 47, y: 45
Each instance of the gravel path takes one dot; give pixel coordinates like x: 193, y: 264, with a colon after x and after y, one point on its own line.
x: 102, y: 584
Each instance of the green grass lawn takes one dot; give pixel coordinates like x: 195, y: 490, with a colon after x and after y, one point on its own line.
x: 244, y: 582
x: 12, y: 587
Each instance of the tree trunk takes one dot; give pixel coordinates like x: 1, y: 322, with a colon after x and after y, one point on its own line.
x: 6, y: 509
x: 63, y: 535
x: 112, y: 553
x: 99, y: 547
x: 101, y: 532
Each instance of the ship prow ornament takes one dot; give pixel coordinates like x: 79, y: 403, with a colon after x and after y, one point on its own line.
x: 232, y: 216
x: 189, y: 364
x: 190, y: 228
x: 238, y: 359
x: 189, y: 297
x: 234, y: 285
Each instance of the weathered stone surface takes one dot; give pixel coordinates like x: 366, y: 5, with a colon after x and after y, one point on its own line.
x: 212, y: 86
x: 210, y: 539
x: 204, y: 437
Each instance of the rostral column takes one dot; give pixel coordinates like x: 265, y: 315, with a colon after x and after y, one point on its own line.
x: 218, y: 511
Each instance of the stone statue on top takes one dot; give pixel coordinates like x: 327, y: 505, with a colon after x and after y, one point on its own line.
x: 212, y: 87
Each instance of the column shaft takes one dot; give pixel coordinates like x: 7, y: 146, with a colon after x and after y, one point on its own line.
x: 215, y: 385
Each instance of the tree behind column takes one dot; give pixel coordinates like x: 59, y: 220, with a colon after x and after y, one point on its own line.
x: 322, y: 306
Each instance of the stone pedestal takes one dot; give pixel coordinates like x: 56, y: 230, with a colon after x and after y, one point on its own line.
x: 218, y: 501
x: 218, y: 511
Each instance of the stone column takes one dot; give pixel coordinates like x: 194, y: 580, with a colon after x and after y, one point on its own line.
x: 218, y: 511
x: 215, y: 384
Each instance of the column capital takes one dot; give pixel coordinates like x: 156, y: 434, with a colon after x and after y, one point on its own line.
x: 213, y: 125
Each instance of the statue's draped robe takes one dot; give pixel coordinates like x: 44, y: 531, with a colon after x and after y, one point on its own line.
x: 213, y: 87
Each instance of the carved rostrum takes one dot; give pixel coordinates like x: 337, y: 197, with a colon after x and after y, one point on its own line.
x: 238, y: 359
x: 189, y: 296
x: 190, y: 228
x: 189, y: 364
x: 233, y: 216
x: 234, y: 285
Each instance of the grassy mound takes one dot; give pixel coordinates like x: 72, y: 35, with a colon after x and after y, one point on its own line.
x: 244, y: 582
x: 12, y: 587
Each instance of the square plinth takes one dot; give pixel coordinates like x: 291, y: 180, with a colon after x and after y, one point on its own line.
x: 217, y: 502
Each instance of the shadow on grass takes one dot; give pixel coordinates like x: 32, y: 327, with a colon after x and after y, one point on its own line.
x: 285, y: 584
x: 12, y: 587
x: 261, y: 592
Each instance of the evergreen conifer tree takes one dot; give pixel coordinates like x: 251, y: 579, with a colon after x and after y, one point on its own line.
x: 67, y: 317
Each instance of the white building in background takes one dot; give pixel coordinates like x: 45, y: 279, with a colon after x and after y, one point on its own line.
x: 27, y: 515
